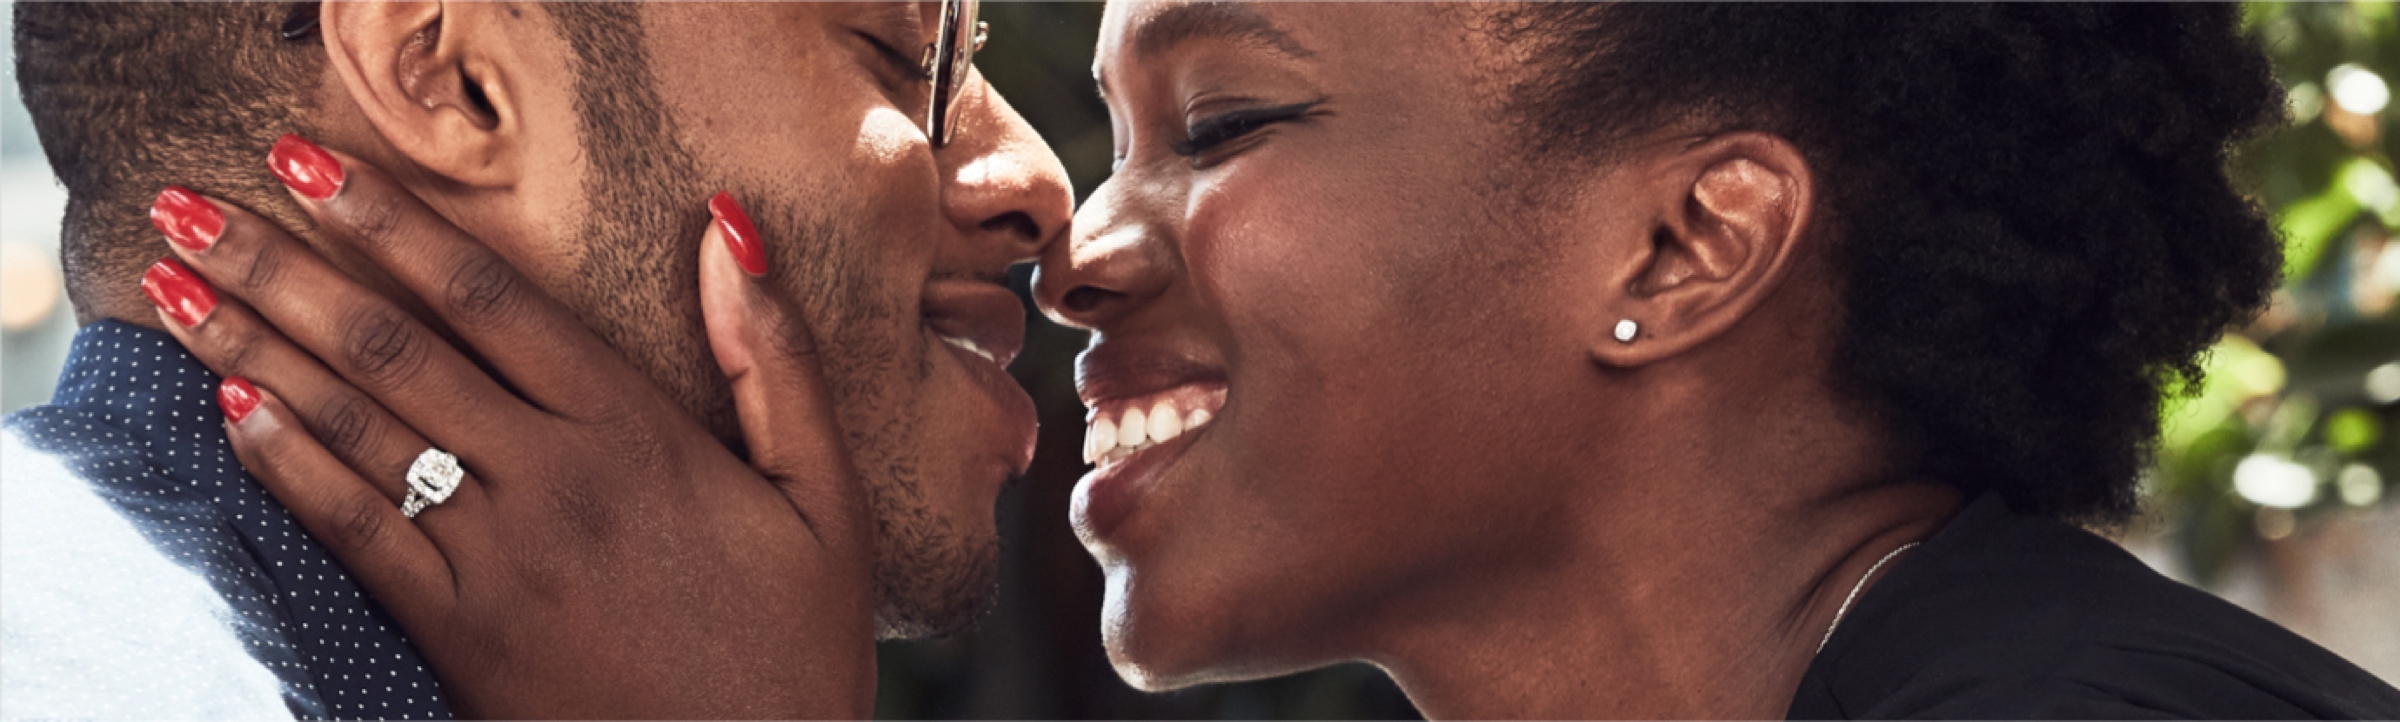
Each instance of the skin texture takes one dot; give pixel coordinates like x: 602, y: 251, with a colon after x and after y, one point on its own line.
x: 815, y: 129
x: 624, y: 564
x: 1432, y: 454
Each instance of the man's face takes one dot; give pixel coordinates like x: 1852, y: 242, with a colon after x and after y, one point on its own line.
x: 1301, y: 241
x: 812, y: 115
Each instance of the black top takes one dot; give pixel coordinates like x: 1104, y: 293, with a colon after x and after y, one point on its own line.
x: 2003, y: 615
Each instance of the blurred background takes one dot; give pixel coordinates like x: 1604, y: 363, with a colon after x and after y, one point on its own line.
x: 2272, y: 487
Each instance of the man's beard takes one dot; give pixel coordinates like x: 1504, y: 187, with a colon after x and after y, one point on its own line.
x: 638, y: 286
x: 639, y: 289
x: 931, y: 578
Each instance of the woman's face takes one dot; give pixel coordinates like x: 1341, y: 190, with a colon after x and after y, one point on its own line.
x: 1309, y: 258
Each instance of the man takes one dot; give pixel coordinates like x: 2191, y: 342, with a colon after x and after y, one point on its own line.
x: 579, y: 141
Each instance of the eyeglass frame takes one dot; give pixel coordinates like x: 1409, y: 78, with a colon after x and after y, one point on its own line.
x: 947, y: 62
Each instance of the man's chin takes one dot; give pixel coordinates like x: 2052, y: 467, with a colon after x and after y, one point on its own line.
x: 929, y: 601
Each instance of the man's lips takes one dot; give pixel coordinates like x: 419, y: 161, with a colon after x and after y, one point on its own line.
x: 983, y: 318
x: 983, y: 323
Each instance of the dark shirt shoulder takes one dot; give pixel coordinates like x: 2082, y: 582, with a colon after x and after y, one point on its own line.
x: 135, y: 420
x: 2005, y: 615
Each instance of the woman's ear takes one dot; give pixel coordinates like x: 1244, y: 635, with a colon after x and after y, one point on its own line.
x: 1730, y: 213
x: 434, y: 80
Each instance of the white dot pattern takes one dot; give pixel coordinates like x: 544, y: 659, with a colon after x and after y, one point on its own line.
x: 136, y: 417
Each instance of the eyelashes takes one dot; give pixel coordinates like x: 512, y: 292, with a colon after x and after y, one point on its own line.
x: 1216, y: 130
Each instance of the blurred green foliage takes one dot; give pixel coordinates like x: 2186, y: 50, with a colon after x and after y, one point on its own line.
x: 2293, y: 420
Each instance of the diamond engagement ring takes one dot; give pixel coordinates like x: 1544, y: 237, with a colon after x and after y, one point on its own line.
x: 430, y: 481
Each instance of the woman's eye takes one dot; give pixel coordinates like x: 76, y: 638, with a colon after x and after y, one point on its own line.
x: 1210, y: 132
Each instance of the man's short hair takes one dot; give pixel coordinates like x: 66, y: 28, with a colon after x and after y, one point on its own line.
x: 129, y: 98
x: 2029, y: 203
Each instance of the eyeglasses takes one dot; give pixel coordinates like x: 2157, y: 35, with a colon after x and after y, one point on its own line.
x: 946, y: 63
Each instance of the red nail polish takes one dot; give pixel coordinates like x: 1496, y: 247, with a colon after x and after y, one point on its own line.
x: 739, y: 234
x: 238, y: 398
x: 186, y: 218
x: 180, y: 292
x: 305, y: 167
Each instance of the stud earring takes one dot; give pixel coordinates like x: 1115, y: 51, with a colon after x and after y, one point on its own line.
x: 1626, y: 329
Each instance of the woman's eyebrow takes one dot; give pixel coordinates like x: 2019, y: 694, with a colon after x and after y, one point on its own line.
x: 1218, y: 20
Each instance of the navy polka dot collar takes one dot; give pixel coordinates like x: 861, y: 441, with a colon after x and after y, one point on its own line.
x: 136, y: 417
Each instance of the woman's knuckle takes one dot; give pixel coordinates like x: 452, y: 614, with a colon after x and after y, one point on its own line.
x: 361, y: 521
x: 345, y: 426
x: 482, y: 290
x: 381, y: 346
x: 376, y: 219
x: 234, y: 347
x: 264, y: 266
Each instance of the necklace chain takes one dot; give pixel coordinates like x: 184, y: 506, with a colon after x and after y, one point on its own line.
x: 1854, y: 589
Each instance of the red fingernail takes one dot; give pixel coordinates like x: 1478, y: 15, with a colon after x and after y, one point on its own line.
x: 238, y: 398
x: 305, y: 167
x: 175, y: 289
x: 187, y: 219
x: 739, y: 234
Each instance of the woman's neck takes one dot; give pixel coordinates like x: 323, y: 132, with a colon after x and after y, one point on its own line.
x: 1686, y: 605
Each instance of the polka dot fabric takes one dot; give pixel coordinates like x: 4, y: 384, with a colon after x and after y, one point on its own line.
x: 136, y: 417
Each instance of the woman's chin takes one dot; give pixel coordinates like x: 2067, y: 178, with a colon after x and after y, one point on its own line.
x: 1165, y: 641
x: 1149, y: 666
x: 1154, y: 646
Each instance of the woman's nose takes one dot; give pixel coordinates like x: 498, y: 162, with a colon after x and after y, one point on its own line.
x: 1113, y: 263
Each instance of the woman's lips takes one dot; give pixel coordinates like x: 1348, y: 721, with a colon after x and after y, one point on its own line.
x: 1133, y: 439
x: 1108, y: 495
x: 1148, y: 404
x: 1118, y: 428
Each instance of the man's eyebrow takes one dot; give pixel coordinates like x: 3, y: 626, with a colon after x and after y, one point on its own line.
x: 1223, y: 20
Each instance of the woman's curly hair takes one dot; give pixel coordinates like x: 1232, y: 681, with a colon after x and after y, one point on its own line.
x: 2030, y: 202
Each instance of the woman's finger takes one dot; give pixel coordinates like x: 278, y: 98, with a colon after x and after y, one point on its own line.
x: 541, y: 348
x: 767, y: 351
x: 233, y: 341
x: 379, y: 545
x: 369, y: 341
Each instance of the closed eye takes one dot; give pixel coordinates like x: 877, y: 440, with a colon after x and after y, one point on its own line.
x: 907, y: 66
x: 1216, y: 130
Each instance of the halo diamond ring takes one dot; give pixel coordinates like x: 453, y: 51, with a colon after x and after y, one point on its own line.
x: 431, y: 479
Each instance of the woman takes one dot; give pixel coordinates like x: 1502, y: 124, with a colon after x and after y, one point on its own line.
x: 1598, y: 361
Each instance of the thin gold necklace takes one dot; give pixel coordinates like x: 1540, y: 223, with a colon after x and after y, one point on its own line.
x: 1854, y: 589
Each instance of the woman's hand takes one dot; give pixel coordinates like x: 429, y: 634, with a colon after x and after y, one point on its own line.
x: 604, y: 556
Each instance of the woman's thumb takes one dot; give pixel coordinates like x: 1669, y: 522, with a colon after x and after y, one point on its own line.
x: 767, y: 351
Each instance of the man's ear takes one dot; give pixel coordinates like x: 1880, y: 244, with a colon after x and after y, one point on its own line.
x: 432, y: 79
x: 1729, y: 214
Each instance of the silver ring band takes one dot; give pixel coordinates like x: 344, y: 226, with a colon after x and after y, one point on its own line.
x: 431, y: 479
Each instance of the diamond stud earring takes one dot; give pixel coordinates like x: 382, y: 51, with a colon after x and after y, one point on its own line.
x: 1626, y: 329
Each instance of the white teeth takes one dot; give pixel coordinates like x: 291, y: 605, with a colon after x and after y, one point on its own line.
x: 971, y: 347
x: 1119, y: 431
x: 1099, y: 440
x: 1165, y: 424
x: 1135, y: 430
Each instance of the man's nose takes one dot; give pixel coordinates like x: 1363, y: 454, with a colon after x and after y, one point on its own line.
x: 1005, y: 188
x: 1113, y: 265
